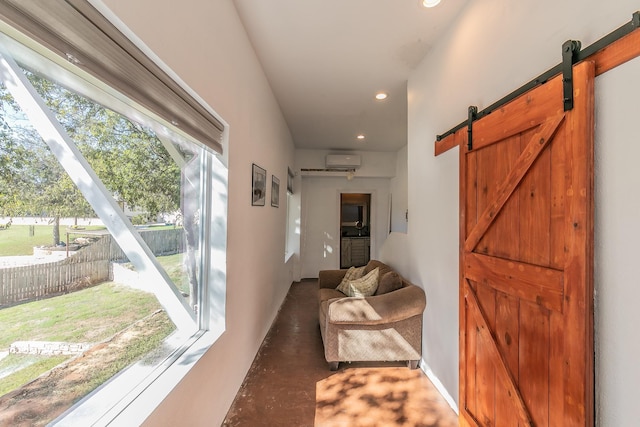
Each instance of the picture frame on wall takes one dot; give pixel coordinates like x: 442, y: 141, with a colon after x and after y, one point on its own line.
x: 275, y: 191
x: 258, y: 186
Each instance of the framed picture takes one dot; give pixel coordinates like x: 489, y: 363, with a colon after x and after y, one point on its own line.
x: 259, y: 186
x: 275, y: 191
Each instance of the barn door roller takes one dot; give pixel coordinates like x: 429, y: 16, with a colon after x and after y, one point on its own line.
x: 570, y: 50
x: 473, y: 113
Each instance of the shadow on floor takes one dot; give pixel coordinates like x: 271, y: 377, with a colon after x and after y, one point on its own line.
x: 290, y: 384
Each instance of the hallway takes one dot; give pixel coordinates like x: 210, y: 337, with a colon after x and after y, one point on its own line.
x: 290, y: 384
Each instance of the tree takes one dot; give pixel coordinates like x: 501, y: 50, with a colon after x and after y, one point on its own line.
x: 128, y: 158
x: 32, y: 182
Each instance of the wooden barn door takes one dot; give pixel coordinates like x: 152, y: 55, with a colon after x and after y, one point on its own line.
x: 526, y: 291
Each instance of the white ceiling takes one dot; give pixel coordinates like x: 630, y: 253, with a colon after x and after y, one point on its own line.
x: 326, y: 59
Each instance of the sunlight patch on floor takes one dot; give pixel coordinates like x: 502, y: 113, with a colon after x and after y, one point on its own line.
x: 378, y: 396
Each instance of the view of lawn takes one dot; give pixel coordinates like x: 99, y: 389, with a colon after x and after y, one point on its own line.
x: 98, y: 314
x: 16, y: 240
x: 30, y: 367
x: 90, y: 315
x: 143, y: 174
x: 174, y: 267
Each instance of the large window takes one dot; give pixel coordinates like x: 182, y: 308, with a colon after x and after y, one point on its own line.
x: 132, y: 211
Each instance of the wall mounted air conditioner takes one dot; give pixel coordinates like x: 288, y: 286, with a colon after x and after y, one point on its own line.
x: 343, y: 161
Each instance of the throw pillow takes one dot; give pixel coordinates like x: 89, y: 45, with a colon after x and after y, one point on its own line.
x: 389, y: 282
x: 384, y: 268
x: 364, y: 286
x: 352, y: 273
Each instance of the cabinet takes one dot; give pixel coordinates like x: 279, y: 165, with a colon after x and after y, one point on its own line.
x: 345, y: 253
x: 354, y: 251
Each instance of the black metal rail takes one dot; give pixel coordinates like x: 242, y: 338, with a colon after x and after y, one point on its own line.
x: 577, y: 56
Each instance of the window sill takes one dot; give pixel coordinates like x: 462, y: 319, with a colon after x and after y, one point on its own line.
x: 147, y: 387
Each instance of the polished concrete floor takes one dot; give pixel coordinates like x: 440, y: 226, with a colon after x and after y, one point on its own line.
x: 290, y: 384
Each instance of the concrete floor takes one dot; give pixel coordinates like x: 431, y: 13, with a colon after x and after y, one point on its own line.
x: 290, y: 384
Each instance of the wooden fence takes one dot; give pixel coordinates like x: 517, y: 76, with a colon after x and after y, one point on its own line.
x: 161, y: 242
x: 88, y: 266
x: 37, y: 281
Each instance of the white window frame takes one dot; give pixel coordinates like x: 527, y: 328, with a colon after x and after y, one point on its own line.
x: 129, y: 398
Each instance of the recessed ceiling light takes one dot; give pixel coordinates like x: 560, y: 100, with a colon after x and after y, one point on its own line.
x: 430, y: 3
x: 360, y: 137
x: 381, y: 95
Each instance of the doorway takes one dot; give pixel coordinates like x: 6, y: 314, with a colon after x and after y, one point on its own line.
x: 355, y: 229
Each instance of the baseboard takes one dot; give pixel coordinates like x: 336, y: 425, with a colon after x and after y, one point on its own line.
x: 439, y: 386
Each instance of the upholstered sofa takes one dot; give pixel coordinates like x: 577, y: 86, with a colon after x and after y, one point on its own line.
x: 386, y: 326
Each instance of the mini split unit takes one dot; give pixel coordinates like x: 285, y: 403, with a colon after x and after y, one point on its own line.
x: 343, y: 161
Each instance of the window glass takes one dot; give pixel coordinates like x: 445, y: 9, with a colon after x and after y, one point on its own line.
x: 114, y: 291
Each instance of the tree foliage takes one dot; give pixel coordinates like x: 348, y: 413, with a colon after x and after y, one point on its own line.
x: 128, y: 158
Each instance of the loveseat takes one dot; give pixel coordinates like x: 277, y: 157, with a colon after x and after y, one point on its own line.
x: 385, y: 326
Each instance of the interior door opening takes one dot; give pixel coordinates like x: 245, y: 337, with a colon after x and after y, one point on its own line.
x: 355, y: 229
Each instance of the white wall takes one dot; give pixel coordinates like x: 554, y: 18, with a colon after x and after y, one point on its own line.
x: 494, y: 47
x: 320, y: 210
x: 393, y: 252
x: 320, y: 240
x: 616, y: 235
x: 206, y: 45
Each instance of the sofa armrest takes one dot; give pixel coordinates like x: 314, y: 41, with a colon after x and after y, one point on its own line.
x: 394, y: 306
x: 330, y: 278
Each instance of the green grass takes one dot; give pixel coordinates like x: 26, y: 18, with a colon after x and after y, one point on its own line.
x: 16, y: 239
x: 174, y: 267
x: 89, y: 315
x: 132, y: 353
x: 33, y: 367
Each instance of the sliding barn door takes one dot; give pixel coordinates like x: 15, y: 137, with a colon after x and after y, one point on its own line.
x: 526, y: 291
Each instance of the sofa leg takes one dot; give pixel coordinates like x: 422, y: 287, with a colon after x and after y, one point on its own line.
x: 333, y: 366
x: 413, y: 364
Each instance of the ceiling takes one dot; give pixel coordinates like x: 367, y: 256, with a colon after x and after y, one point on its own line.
x: 325, y: 61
